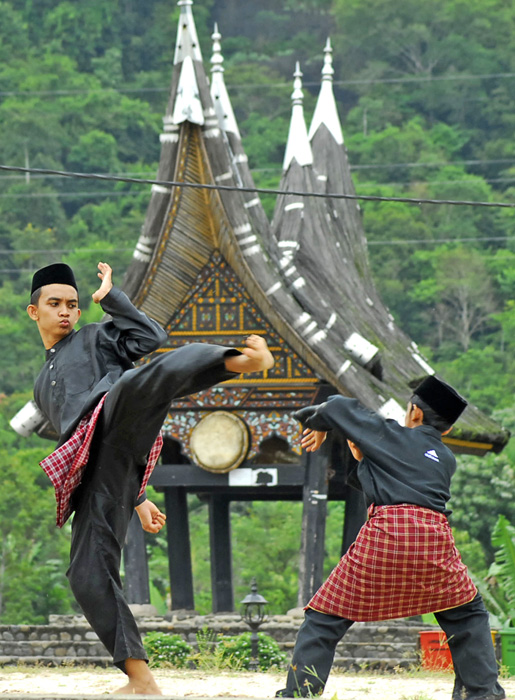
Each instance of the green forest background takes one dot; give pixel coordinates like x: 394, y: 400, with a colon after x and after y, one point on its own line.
x: 425, y: 93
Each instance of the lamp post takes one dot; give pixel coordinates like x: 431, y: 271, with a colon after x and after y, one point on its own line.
x: 253, y: 612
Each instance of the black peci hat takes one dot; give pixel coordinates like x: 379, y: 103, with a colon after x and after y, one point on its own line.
x: 442, y: 398
x: 58, y: 273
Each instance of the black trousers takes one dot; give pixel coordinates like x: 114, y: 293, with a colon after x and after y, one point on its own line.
x: 130, y: 420
x: 469, y: 637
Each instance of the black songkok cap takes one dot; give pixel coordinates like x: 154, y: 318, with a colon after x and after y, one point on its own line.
x: 58, y: 273
x: 442, y: 398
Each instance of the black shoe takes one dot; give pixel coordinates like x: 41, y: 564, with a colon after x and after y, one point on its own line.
x: 493, y: 696
x: 284, y: 693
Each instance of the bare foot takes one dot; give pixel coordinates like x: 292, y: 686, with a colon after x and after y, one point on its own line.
x: 136, y: 689
x: 141, y: 680
x: 256, y: 357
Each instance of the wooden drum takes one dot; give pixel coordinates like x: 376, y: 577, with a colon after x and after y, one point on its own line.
x: 219, y: 442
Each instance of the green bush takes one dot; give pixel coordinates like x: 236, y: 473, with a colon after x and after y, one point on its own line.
x: 238, y: 650
x: 210, y: 653
x: 165, y: 648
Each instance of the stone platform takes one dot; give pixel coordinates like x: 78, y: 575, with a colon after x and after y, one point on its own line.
x: 69, y: 640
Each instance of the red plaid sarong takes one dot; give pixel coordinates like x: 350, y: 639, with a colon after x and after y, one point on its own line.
x: 404, y: 562
x: 65, y: 466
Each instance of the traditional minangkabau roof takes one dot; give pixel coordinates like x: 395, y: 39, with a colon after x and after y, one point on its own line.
x: 307, y: 272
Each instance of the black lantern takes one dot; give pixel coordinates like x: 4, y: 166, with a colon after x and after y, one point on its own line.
x: 253, y: 612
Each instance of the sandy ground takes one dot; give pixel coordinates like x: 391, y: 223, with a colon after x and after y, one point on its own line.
x: 414, y: 685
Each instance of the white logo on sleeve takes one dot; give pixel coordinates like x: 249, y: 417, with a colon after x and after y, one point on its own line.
x: 431, y: 454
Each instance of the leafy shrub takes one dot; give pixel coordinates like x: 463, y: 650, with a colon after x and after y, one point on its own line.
x: 499, y: 589
x: 211, y: 653
x: 165, y: 648
x: 239, y: 651
x: 214, y: 651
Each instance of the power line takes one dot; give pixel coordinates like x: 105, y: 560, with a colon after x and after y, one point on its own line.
x: 413, y: 164
x: 362, y: 166
x: 96, y: 251
x: 62, y: 251
x: 43, y: 195
x: 131, y: 193
x: 259, y: 190
x: 434, y: 164
x: 426, y: 78
x: 285, y: 85
x: 420, y: 241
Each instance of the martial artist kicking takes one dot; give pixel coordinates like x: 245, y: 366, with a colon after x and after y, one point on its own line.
x: 404, y: 561
x: 108, y: 416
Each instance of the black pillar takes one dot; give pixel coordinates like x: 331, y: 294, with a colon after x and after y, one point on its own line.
x: 137, y: 589
x: 355, y: 516
x: 314, y: 515
x: 355, y: 506
x: 179, y: 549
x: 221, y: 554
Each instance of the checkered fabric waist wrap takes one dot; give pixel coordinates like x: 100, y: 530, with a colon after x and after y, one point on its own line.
x: 65, y: 466
x: 404, y: 562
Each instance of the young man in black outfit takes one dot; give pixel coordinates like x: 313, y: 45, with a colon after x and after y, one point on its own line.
x: 108, y: 416
x: 404, y: 561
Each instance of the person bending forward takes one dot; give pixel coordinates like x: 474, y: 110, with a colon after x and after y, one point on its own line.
x: 404, y: 561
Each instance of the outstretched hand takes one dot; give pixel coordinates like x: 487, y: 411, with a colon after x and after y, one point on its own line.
x: 312, y: 439
x: 152, y: 520
x: 106, y: 275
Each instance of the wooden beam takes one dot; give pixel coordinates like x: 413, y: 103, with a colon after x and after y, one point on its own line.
x: 137, y: 589
x: 355, y: 516
x: 179, y: 549
x: 255, y: 476
x: 221, y: 554
x: 313, y: 522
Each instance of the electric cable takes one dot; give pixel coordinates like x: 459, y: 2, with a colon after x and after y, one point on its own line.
x: 257, y: 190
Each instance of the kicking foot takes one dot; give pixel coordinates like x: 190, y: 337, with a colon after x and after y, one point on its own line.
x: 256, y: 357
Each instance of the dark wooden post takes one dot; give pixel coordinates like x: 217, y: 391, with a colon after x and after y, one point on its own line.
x: 221, y: 554
x: 355, y: 506
x: 314, y: 515
x: 355, y: 516
x: 179, y: 549
x: 137, y: 589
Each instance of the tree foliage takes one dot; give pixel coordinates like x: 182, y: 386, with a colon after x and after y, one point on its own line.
x: 425, y: 93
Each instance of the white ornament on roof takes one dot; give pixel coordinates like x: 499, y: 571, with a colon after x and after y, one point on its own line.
x: 298, y: 146
x: 219, y: 93
x: 325, y: 110
x: 188, y: 107
x: 187, y: 39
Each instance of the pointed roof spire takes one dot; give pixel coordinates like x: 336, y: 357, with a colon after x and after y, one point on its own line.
x: 219, y: 93
x: 188, y: 106
x: 298, y: 144
x: 187, y: 39
x: 325, y: 110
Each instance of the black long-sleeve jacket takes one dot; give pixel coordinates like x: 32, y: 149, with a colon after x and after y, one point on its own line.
x: 399, y: 465
x: 84, y: 365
